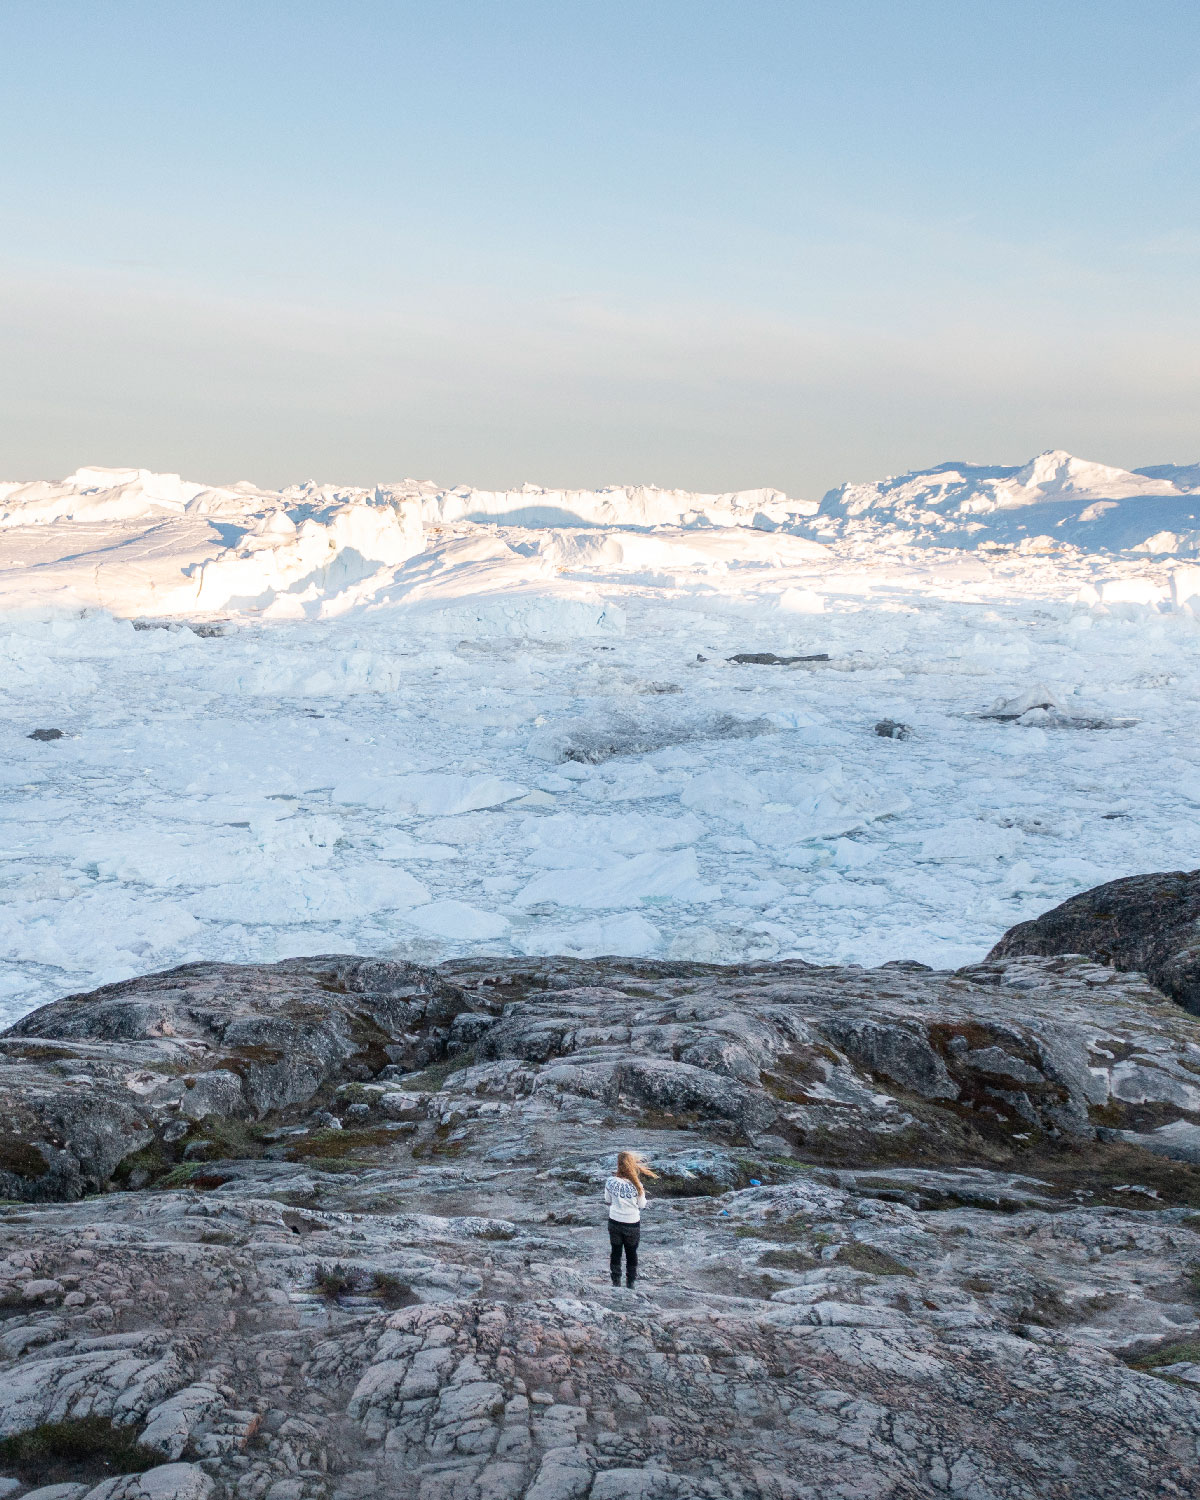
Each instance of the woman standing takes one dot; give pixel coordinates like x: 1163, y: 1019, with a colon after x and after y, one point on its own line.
x: 626, y: 1198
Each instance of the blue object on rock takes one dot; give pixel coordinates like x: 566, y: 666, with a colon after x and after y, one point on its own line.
x: 754, y: 1182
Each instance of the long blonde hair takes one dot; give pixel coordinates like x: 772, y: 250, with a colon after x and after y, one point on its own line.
x: 633, y: 1168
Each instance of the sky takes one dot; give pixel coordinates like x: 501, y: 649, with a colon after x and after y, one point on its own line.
x: 696, y: 244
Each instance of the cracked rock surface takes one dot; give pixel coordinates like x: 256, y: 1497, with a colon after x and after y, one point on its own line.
x: 333, y: 1229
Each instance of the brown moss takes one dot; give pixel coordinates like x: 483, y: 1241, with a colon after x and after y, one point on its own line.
x: 782, y: 1230
x: 789, y: 1260
x: 245, y: 1059
x: 1119, y: 1115
x: 21, y: 1159
x: 862, y: 1257
x: 41, y: 1052
x: 425, y: 1150
x: 336, y: 1145
x: 794, y: 1072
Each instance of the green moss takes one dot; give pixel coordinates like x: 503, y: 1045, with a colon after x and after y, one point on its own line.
x: 357, y: 1093
x: 79, y: 1450
x: 149, y: 1160
x: 429, y: 1080
x: 1167, y: 1354
x: 782, y: 1230
x: 336, y: 1281
x: 223, y: 1138
x: 392, y: 1291
x: 861, y: 1257
x: 21, y: 1159
x: 191, y: 1175
x: 789, y: 1260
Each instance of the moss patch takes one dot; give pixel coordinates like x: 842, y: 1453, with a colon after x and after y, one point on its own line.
x: 192, y: 1175
x: 41, y: 1052
x: 336, y: 1281
x: 21, y: 1159
x: 222, y: 1138
x: 81, y: 1450
x: 391, y: 1290
x: 438, y: 1147
x: 789, y: 1260
x: 146, y: 1166
x: 337, y: 1145
x: 861, y: 1257
x: 248, y: 1057
x: 782, y: 1231
x: 1167, y: 1354
x: 429, y: 1080
x: 371, y: 1041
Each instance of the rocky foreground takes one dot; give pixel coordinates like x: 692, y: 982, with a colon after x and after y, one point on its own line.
x: 333, y: 1229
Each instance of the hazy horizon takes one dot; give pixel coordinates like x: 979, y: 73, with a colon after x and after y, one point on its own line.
x: 697, y: 247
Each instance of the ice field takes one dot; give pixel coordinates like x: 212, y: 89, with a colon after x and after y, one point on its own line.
x: 422, y: 722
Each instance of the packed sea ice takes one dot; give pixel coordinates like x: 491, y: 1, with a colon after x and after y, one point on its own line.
x: 426, y: 722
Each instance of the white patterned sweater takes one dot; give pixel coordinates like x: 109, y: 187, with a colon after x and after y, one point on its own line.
x: 625, y: 1202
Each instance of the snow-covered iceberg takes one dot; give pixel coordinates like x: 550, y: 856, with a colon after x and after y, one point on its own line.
x: 1054, y: 499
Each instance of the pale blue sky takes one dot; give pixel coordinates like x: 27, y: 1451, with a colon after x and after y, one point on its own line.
x: 682, y: 242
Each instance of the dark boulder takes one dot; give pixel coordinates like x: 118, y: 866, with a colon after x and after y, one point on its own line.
x: 1147, y: 923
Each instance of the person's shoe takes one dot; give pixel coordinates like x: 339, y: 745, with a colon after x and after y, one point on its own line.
x: 616, y: 1286
x: 629, y: 1286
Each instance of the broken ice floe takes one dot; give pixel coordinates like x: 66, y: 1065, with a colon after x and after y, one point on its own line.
x: 1039, y: 707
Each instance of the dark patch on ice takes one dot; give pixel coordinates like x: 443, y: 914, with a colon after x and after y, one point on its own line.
x: 892, y: 729
x: 589, y: 743
x: 45, y: 734
x: 1049, y: 717
x: 769, y: 659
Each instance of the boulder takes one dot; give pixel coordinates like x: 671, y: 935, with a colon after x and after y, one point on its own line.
x: 1146, y: 923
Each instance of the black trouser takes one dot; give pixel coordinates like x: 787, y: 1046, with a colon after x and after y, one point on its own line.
x: 623, y: 1237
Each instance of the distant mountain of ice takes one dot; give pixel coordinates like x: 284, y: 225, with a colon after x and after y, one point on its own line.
x: 140, y: 543
x: 1054, y: 499
x: 96, y: 494
x: 136, y: 542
